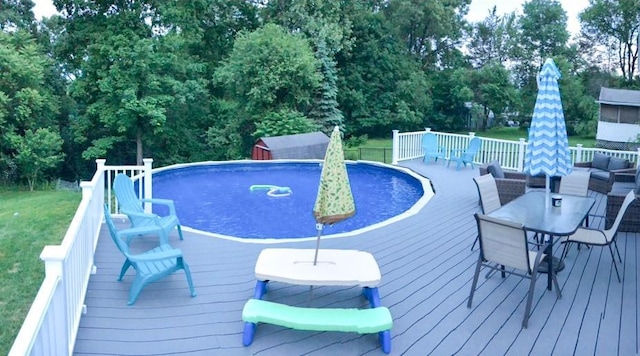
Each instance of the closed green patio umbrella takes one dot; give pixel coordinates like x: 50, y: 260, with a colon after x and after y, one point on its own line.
x: 334, y: 201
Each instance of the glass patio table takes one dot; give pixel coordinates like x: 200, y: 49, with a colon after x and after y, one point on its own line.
x: 536, y: 213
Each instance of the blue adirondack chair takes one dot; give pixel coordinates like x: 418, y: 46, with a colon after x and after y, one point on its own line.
x: 150, y: 266
x: 431, y: 148
x: 131, y: 205
x: 464, y: 156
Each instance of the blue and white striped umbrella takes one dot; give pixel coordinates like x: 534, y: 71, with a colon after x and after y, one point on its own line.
x: 548, y: 148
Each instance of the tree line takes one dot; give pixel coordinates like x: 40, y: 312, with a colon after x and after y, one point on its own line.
x: 194, y: 80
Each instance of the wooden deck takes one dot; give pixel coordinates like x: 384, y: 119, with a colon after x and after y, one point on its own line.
x: 426, y: 266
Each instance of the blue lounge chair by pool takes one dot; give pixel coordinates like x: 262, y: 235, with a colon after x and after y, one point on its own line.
x: 131, y: 205
x: 431, y: 148
x: 151, y: 265
x: 462, y: 157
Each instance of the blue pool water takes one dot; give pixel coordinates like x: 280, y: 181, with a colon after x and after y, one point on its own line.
x: 217, y: 198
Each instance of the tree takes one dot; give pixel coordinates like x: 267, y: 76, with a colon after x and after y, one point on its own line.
x: 134, y: 79
x: 26, y: 102
x: 615, y: 27
x: 542, y: 34
x: 492, y: 89
x: 429, y: 29
x: 489, y: 39
x: 328, y: 29
x: 381, y: 87
x: 325, y: 110
x: 269, y: 70
x: 17, y: 14
x: 37, y: 152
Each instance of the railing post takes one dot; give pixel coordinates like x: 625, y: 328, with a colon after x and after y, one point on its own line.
x: 521, y: 147
x: 579, y: 153
x: 638, y: 159
x: 53, y: 257
x: 100, y: 167
x: 395, y: 153
x: 148, y: 186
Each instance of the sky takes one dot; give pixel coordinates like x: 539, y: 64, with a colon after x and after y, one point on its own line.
x: 478, y: 11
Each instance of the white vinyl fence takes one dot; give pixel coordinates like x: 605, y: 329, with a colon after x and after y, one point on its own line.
x: 51, y: 324
x: 510, y: 154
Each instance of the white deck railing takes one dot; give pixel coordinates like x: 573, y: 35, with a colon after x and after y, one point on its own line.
x: 51, y: 324
x: 408, y: 145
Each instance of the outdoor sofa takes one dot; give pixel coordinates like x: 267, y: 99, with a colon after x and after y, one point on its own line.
x: 623, y: 183
x: 603, y: 169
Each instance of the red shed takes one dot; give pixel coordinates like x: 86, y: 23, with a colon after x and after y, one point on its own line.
x: 301, y: 146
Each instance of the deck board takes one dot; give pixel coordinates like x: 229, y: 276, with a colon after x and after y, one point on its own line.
x: 427, y: 266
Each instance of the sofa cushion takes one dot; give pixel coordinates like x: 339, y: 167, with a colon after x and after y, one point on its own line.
x: 600, y: 175
x: 495, y: 170
x: 600, y: 161
x: 617, y: 163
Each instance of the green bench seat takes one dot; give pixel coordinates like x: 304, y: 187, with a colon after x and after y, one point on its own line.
x: 362, y: 321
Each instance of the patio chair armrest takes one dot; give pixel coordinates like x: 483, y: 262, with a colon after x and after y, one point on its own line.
x: 140, y: 215
x: 515, y: 175
x: 167, y: 202
x: 157, y: 256
x: 582, y: 164
x: 139, y: 230
x: 623, y: 177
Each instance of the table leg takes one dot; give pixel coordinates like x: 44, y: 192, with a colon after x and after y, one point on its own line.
x: 372, y: 296
x: 550, y: 263
x: 260, y: 290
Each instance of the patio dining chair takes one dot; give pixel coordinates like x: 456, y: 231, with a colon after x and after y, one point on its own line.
x: 151, y: 265
x: 464, y: 156
x: 131, y: 205
x: 576, y: 183
x: 504, y: 247
x: 431, y: 148
x: 489, y: 197
x: 595, y: 237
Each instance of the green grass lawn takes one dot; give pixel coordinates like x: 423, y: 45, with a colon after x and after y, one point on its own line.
x: 28, y: 222
x: 502, y: 133
x: 515, y: 133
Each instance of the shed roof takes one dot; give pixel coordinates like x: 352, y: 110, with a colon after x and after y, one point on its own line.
x: 622, y: 97
x: 300, y: 146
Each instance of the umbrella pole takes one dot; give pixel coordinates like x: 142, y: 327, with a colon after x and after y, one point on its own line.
x: 547, y: 190
x: 319, y: 229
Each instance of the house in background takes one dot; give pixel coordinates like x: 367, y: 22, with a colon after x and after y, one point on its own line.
x: 619, y: 119
x: 301, y: 146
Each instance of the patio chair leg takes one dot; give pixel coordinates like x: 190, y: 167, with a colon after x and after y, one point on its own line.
x: 615, y: 265
x: 474, y: 242
x: 527, y: 309
x: 260, y: 289
x: 475, y: 282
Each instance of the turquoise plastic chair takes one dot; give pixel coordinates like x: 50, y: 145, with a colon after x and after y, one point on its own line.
x: 462, y: 157
x: 431, y: 148
x: 132, y: 207
x: 150, y: 266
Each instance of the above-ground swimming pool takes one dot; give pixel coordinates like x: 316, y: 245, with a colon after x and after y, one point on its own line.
x: 217, y: 198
